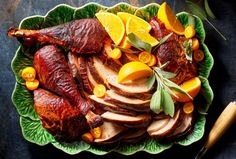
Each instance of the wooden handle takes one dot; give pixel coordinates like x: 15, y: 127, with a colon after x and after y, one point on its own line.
x: 226, y: 118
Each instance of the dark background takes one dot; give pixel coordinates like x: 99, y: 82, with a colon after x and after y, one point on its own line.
x: 222, y: 80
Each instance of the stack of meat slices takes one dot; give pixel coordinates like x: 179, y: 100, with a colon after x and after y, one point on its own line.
x: 125, y: 108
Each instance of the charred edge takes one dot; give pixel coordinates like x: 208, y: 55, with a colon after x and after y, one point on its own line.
x: 94, y: 72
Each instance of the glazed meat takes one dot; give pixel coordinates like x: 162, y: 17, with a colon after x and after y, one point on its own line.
x: 54, y: 74
x: 172, y: 51
x: 81, y: 36
x: 58, y: 116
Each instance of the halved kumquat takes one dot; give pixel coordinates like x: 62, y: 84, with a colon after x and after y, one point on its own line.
x: 188, y: 108
x: 32, y: 85
x: 28, y: 74
x: 99, y: 90
x: 144, y: 57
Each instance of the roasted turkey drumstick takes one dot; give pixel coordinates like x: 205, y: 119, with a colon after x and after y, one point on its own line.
x: 58, y: 116
x: 82, y: 36
x: 54, y: 74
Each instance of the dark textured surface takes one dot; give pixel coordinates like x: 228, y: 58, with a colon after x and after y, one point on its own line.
x: 222, y: 79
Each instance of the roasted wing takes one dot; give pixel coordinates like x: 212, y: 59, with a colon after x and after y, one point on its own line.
x: 81, y: 36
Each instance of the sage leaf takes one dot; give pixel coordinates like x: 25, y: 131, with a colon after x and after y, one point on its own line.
x: 127, y: 50
x: 168, y: 104
x: 188, y: 50
x: 197, y: 10
x: 166, y: 74
x: 136, y: 42
x: 176, y: 87
x: 208, y: 9
x: 150, y: 82
x: 162, y: 41
x: 156, y: 101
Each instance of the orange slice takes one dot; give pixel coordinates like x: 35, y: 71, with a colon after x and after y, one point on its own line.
x: 133, y: 70
x: 144, y: 57
x: 99, y: 90
x: 113, y: 25
x: 32, y: 85
x: 167, y: 16
x: 153, y: 61
x: 142, y: 23
x: 28, y: 74
x: 192, y: 87
x: 133, y: 26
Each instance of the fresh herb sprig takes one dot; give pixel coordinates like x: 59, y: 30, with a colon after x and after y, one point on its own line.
x: 136, y: 42
x: 202, y: 14
x: 162, y: 41
x: 161, y: 99
x: 188, y: 49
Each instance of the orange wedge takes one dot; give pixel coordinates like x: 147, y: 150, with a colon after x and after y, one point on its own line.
x: 167, y: 16
x: 133, y: 70
x: 142, y: 23
x: 134, y: 26
x: 113, y: 25
x: 192, y: 87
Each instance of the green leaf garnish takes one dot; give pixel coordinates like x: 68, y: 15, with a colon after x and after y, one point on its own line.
x: 150, y: 82
x: 168, y: 104
x: 136, y: 42
x: 208, y: 9
x: 162, y: 41
x: 156, y: 101
x: 198, y: 11
x: 176, y: 87
x: 166, y: 74
x: 188, y: 50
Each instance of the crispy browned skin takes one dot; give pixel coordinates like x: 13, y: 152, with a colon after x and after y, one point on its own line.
x: 54, y: 74
x: 82, y: 36
x: 172, y: 51
x: 58, y: 116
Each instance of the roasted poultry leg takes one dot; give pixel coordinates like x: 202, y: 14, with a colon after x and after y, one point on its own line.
x: 54, y: 74
x: 58, y: 116
x: 81, y: 36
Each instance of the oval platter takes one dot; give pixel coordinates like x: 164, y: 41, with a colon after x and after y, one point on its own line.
x: 23, y: 99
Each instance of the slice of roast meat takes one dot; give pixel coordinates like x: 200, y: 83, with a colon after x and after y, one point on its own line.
x: 134, y: 135
x: 84, y: 74
x: 157, y: 125
x: 111, y: 133
x: 184, y: 126
x: 172, y: 51
x: 83, y: 36
x: 127, y: 103
x: 168, y: 128
x: 100, y: 102
x: 130, y: 121
x: 54, y: 74
x: 58, y: 116
x: 111, y: 77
